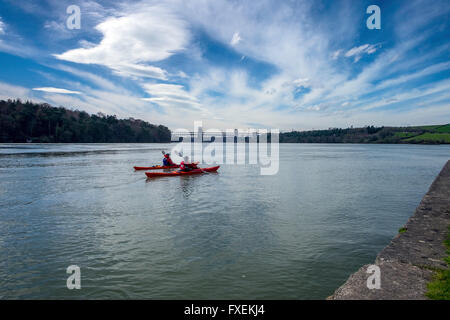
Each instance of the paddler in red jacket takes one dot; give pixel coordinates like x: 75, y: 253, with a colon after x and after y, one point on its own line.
x: 167, y: 161
x: 187, y: 164
x: 184, y: 167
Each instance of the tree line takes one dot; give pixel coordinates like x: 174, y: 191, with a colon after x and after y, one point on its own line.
x: 371, y: 134
x: 32, y: 122
x: 368, y: 134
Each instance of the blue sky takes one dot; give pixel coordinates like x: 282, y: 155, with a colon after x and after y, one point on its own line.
x: 233, y: 64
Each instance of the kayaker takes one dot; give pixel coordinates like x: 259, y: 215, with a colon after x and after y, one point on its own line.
x: 190, y: 165
x: 184, y: 167
x: 193, y: 165
x: 167, y: 161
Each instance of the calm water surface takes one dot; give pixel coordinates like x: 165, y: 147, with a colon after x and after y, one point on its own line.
x: 232, y: 235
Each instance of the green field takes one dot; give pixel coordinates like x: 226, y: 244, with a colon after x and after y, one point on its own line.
x: 443, y: 129
x: 403, y: 135
x: 431, y: 128
x: 424, y: 134
x: 431, y: 137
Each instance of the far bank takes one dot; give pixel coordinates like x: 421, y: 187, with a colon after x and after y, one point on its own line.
x: 22, y: 122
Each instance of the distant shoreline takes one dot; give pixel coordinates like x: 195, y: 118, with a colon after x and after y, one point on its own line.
x: 305, y: 143
x: 437, y: 134
x: 28, y: 122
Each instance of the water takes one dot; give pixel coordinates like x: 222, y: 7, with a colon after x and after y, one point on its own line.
x: 232, y: 235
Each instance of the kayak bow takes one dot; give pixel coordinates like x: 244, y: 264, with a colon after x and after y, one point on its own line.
x: 180, y: 173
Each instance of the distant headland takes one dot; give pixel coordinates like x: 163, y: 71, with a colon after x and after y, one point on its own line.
x: 41, y: 123
x: 432, y: 134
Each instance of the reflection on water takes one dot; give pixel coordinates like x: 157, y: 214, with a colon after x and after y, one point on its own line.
x: 186, y: 185
x: 231, y: 234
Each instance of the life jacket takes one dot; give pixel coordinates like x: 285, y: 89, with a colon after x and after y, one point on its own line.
x: 182, y: 166
x: 167, y: 161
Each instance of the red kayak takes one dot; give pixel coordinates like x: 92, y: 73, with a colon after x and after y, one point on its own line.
x: 180, y: 173
x: 156, y: 167
x: 191, y: 165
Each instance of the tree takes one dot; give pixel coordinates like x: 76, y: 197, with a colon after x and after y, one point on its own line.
x: 20, y: 122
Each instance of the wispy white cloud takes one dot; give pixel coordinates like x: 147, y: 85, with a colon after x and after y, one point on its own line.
x: 358, y: 52
x: 419, y: 14
x: 336, y: 54
x: 140, y: 71
x: 171, y: 96
x: 92, y: 12
x: 8, y: 91
x: 129, y: 42
x: 182, y: 74
x: 424, y: 92
x: 13, y: 43
x: 56, y: 90
x: 162, y: 89
x: 235, y: 39
x: 58, y: 27
x: 301, y: 82
x: 355, y: 86
x: 391, y: 82
x: 124, y: 105
x: 2, y: 26
x: 92, y: 78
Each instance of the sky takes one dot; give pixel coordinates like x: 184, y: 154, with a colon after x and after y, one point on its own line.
x: 232, y: 64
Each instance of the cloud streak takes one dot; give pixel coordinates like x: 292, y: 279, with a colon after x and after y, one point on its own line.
x: 2, y: 26
x: 235, y: 39
x: 358, y: 52
x: 134, y: 39
x: 56, y: 90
